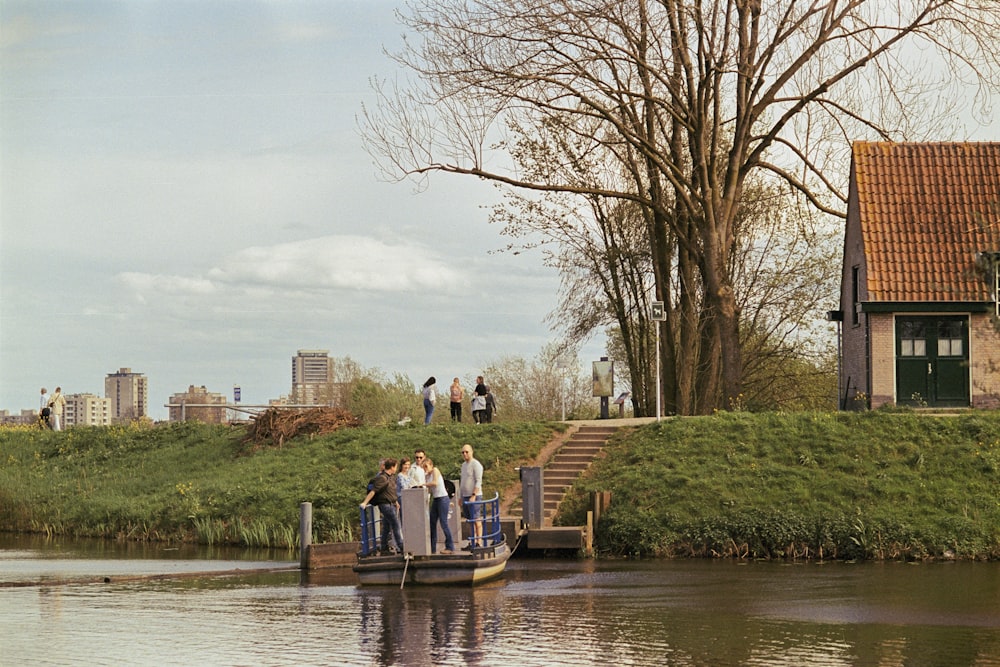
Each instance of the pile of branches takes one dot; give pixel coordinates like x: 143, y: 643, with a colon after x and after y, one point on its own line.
x: 276, y: 425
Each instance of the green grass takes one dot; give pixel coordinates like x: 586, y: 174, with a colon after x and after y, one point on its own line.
x: 197, y: 482
x: 819, y: 485
x: 876, y: 485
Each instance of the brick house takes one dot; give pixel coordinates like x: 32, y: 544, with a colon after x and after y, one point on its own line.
x: 921, y: 275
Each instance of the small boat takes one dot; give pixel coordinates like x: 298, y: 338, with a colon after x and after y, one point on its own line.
x: 469, y: 565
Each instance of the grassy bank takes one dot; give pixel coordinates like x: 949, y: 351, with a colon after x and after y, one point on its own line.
x: 867, y: 485
x: 874, y: 485
x: 201, y: 483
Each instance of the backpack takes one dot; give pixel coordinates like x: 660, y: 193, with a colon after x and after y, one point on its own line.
x: 449, y: 486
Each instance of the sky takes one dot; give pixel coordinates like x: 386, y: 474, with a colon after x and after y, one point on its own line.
x: 184, y: 192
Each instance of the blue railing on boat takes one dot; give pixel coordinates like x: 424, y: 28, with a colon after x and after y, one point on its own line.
x: 370, y: 528
x: 489, y: 514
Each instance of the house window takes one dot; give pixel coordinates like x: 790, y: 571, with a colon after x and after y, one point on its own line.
x: 913, y: 339
x: 950, y: 339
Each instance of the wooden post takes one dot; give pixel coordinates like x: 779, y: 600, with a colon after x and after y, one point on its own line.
x: 305, y: 533
x: 588, y: 549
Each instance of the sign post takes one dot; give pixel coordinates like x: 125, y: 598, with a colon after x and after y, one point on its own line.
x: 604, y: 382
x: 658, y: 315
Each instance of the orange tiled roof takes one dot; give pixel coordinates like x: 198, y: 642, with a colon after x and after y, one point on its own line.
x: 925, y: 211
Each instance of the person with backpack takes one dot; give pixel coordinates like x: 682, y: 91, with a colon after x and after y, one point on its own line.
x: 382, y: 492
x: 44, y: 410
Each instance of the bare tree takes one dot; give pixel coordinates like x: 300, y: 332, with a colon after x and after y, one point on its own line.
x: 541, y: 388
x: 688, y: 99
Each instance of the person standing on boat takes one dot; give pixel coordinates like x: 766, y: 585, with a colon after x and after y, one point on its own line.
x: 471, y: 490
x: 403, y: 479
x: 383, y: 494
x: 416, y: 471
x: 439, y: 507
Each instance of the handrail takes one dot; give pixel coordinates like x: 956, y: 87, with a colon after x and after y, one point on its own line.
x: 490, y: 517
x: 369, y: 532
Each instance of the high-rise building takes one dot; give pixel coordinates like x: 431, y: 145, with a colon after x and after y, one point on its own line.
x: 312, y: 378
x: 129, y: 394
x: 87, y: 410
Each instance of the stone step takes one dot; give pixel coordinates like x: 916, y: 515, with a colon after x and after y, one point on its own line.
x: 574, y: 457
x: 561, y: 477
x: 592, y: 450
x: 584, y: 459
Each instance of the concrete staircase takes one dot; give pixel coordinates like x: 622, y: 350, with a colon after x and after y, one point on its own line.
x: 559, y: 473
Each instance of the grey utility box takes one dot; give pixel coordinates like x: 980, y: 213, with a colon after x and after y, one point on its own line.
x: 415, y: 521
x: 532, y: 496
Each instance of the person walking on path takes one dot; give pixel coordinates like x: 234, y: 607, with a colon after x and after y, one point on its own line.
x: 456, y: 393
x: 440, y: 505
x: 44, y: 410
x: 471, y: 490
x: 429, y: 393
x: 491, y: 407
x: 383, y: 494
x: 57, y: 403
x: 479, y: 401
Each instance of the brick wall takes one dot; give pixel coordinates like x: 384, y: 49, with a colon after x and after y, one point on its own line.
x: 883, y: 352
x: 984, y: 348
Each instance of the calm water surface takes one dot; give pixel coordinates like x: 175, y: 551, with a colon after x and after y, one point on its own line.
x: 543, y: 612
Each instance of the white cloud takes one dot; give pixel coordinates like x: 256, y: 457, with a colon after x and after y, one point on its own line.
x: 143, y: 283
x: 340, y: 262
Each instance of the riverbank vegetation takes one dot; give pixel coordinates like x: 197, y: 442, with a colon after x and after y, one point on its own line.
x: 210, y: 484
x: 871, y: 485
x: 875, y: 485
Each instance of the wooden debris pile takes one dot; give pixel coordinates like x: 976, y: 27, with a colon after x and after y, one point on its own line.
x: 276, y: 425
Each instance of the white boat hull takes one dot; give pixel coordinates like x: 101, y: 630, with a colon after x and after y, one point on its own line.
x: 460, y: 568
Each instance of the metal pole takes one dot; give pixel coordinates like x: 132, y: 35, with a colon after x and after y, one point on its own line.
x: 659, y: 390
x: 305, y: 533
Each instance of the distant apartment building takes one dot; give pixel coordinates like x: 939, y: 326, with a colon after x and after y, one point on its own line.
x: 87, y: 410
x: 312, y: 378
x: 198, y: 404
x: 129, y: 394
x: 25, y: 418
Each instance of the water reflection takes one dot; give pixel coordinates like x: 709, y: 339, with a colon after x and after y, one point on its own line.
x: 543, y: 612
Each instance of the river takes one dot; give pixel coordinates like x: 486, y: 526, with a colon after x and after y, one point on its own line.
x: 86, y: 603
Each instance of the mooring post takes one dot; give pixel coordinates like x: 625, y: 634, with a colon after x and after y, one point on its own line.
x: 588, y: 549
x: 305, y: 533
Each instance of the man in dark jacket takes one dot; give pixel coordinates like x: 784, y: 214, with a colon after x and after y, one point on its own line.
x: 382, y: 492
